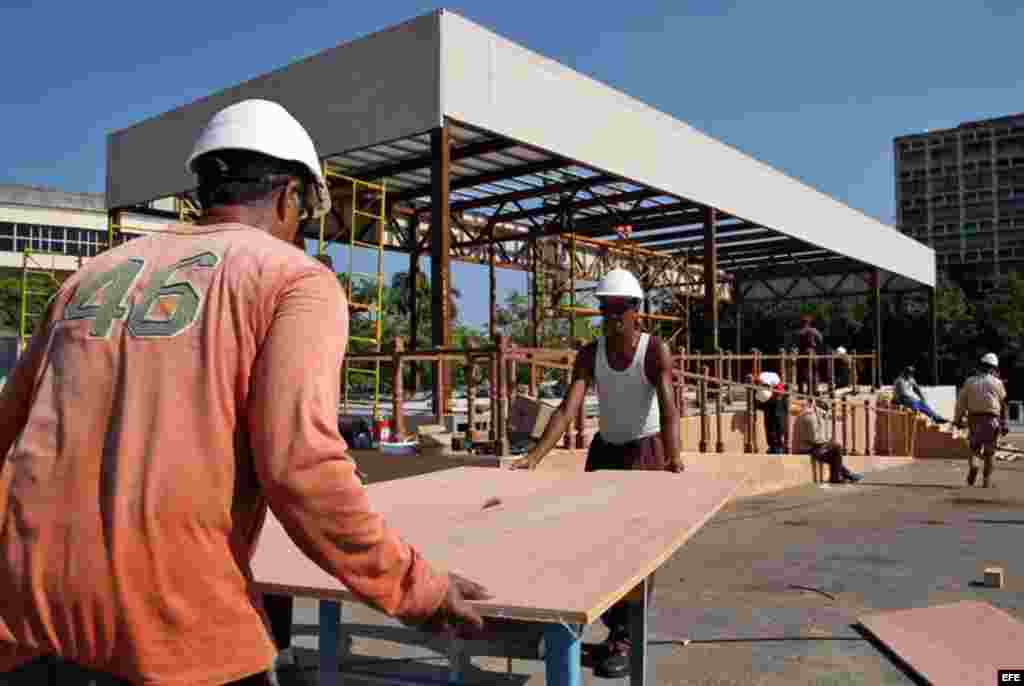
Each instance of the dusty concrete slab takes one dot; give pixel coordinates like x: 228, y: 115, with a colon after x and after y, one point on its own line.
x: 768, y: 592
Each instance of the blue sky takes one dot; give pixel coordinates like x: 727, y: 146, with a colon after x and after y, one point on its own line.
x: 815, y: 89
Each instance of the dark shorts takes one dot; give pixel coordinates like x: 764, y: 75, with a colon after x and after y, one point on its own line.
x: 644, y: 453
x: 983, y: 432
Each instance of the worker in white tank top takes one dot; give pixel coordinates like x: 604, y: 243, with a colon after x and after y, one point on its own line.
x: 639, y: 420
x: 627, y: 398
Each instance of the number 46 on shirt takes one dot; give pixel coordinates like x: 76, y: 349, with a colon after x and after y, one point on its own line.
x: 112, y: 288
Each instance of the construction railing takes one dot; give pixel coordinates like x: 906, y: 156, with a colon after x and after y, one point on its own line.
x: 857, y: 425
x: 855, y: 422
x: 813, y: 370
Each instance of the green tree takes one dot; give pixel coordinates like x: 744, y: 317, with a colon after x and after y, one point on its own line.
x: 41, y: 288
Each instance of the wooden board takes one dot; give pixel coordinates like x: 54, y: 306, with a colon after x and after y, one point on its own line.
x: 560, y: 546
x: 959, y: 644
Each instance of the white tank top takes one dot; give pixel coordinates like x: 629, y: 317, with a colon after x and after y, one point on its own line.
x: 628, y: 400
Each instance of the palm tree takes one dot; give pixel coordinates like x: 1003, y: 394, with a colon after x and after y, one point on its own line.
x: 402, y: 289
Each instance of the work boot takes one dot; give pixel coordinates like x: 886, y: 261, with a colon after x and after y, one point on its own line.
x: 853, y: 477
x: 972, y: 475
x: 614, y: 662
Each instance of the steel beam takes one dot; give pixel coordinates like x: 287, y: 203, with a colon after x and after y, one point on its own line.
x: 933, y: 335
x: 440, y: 252
x: 580, y: 204
x: 828, y: 265
x: 710, y: 282
x: 470, y: 181
x: 876, y: 291
x: 515, y: 196
x: 425, y: 161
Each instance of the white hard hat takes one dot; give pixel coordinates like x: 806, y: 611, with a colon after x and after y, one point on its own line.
x: 990, y: 359
x: 840, y: 350
x: 621, y: 283
x: 265, y: 127
x: 769, y: 378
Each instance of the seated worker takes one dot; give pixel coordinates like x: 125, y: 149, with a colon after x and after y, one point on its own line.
x: 771, y: 399
x: 983, y: 400
x: 906, y: 393
x: 813, y: 436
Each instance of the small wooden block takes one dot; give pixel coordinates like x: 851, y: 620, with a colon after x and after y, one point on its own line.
x: 994, y: 577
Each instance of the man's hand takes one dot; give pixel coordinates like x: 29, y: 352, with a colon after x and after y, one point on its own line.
x: 456, y: 616
x: 1004, y: 428
x: 676, y: 466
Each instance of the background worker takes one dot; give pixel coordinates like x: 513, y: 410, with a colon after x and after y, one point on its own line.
x: 983, y: 400
x: 639, y: 421
x: 771, y: 399
x: 178, y: 385
x: 813, y: 436
x: 907, y: 393
x: 809, y: 340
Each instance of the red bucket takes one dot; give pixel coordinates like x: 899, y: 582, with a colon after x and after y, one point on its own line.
x: 382, y: 431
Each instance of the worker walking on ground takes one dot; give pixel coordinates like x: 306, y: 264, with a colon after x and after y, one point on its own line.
x: 983, y: 401
x: 639, y: 421
x: 813, y: 436
x: 178, y: 385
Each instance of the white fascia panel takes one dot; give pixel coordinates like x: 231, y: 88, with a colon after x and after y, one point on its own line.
x: 372, y: 90
x: 500, y: 86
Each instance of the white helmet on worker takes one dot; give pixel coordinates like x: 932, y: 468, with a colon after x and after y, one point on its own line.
x: 268, y: 128
x: 619, y: 283
x: 990, y: 360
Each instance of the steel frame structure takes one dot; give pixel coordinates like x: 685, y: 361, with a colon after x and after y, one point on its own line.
x: 477, y: 171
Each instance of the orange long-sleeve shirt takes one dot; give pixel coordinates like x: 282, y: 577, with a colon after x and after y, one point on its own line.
x: 180, y: 384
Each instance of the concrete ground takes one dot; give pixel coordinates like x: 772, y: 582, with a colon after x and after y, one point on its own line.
x: 767, y: 593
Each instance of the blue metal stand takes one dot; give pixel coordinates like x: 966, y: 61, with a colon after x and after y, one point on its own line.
x: 330, y: 622
x: 562, y: 655
x: 638, y: 665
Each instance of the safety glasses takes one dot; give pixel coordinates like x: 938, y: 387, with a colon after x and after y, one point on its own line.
x: 617, y: 306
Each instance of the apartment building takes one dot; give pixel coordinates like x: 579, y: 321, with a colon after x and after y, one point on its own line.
x: 961, y: 192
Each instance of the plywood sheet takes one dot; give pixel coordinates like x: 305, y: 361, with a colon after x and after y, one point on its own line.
x: 560, y: 546
x: 960, y: 644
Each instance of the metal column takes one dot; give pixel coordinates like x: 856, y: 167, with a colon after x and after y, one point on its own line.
x: 876, y: 290
x: 710, y: 281
x: 737, y: 296
x: 440, y: 244
x: 933, y: 336
x: 562, y: 655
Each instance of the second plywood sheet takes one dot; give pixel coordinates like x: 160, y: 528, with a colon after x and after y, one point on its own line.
x: 959, y: 644
x: 558, y: 547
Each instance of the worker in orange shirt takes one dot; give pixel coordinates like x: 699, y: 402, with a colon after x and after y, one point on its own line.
x: 180, y: 384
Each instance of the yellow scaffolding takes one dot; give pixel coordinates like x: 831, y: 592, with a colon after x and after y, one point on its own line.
x: 33, y: 302
x: 368, y: 213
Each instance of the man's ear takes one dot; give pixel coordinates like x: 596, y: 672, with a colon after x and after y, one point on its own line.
x: 283, y: 201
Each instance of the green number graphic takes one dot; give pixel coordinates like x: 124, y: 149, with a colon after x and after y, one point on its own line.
x: 112, y: 287
x: 187, y: 301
